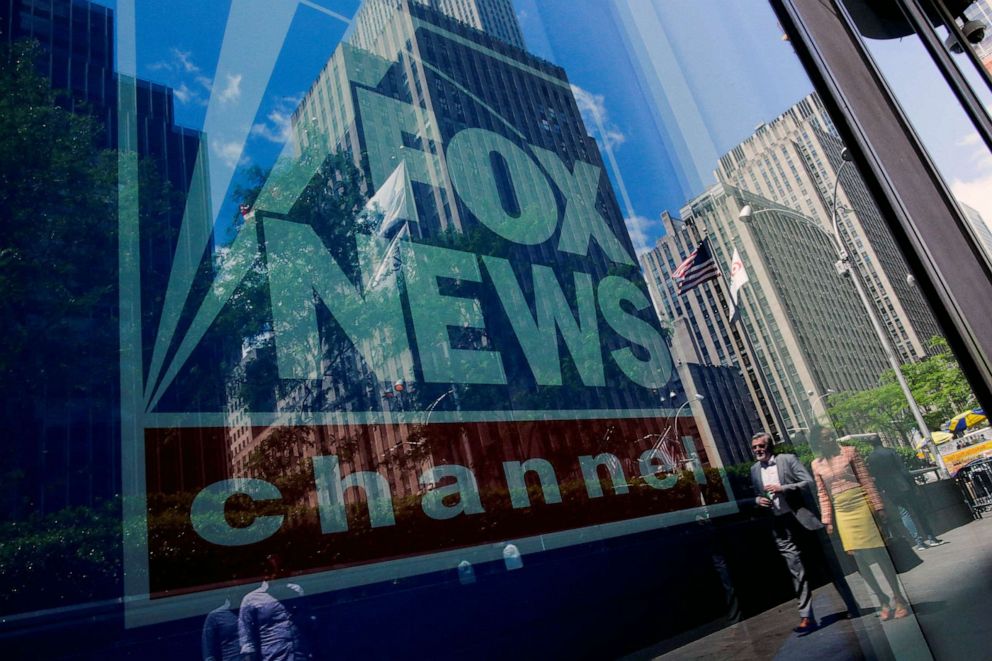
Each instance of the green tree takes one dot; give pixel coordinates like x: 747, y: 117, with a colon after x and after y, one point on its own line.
x: 60, y: 354
x: 332, y: 204
x: 879, y: 410
x: 938, y: 386
x: 58, y: 260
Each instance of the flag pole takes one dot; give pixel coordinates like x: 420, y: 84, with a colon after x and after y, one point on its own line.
x: 755, y: 368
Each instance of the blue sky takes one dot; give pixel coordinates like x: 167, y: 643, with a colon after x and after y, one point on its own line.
x: 947, y: 133
x: 237, y: 76
x: 664, y: 98
x: 665, y: 87
x: 663, y: 145
x: 678, y: 84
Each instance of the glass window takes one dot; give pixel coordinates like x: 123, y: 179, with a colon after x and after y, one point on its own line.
x: 950, y: 135
x: 387, y: 328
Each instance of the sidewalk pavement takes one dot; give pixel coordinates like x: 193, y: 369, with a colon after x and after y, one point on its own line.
x: 951, y: 596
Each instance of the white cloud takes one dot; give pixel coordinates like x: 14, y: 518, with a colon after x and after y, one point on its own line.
x: 229, y: 152
x: 976, y: 189
x: 278, y: 126
x: 183, y: 93
x: 974, y: 152
x: 594, y: 114
x: 185, y: 59
x: 277, y: 129
x: 189, y: 83
x: 638, y: 227
x: 186, y: 95
x: 232, y: 88
x: 970, y: 140
x: 181, y: 61
x: 178, y: 69
x: 613, y: 137
x: 590, y: 105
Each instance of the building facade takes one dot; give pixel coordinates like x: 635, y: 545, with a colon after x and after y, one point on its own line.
x: 795, y: 160
x: 729, y: 415
x: 75, y: 42
x: 399, y: 370
x: 805, y: 332
x: 496, y: 18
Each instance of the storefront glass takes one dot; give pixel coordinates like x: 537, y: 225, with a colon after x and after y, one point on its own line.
x: 450, y: 329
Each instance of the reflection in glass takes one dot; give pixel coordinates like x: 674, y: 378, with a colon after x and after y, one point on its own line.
x: 387, y: 305
x: 956, y: 147
x: 345, y: 308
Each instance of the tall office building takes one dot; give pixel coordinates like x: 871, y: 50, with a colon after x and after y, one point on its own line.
x: 76, y: 38
x: 793, y: 161
x: 77, y: 43
x: 451, y: 85
x: 413, y: 73
x: 729, y: 417
x: 801, y: 324
x: 981, y: 228
x: 493, y: 17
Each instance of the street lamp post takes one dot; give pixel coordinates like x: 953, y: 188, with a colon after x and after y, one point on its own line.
x: 400, y: 387
x: 813, y: 402
x: 661, y: 437
x: 827, y: 393
x: 845, y: 265
x: 430, y: 409
x: 698, y: 398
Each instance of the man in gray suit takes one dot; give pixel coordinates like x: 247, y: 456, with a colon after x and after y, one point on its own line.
x: 783, y: 485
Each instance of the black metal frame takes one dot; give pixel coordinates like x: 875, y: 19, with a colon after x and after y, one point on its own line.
x: 939, y: 244
x: 948, y: 18
x: 969, y: 101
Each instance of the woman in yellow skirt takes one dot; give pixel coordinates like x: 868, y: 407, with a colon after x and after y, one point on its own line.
x: 848, y: 498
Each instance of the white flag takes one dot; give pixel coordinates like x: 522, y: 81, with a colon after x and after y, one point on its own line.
x: 391, y: 203
x: 390, y: 211
x: 738, y: 276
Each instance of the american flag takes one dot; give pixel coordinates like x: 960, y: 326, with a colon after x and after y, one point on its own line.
x: 697, y: 268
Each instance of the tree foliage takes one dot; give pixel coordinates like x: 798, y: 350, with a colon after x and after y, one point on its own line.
x: 62, y: 558
x: 59, y: 358
x: 58, y: 213
x: 58, y: 260
x: 331, y: 203
x: 882, y: 410
x: 938, y: 386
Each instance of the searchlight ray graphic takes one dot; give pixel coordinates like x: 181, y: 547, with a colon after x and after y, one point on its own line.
x: 258, y: 28
x: 391, y: 202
